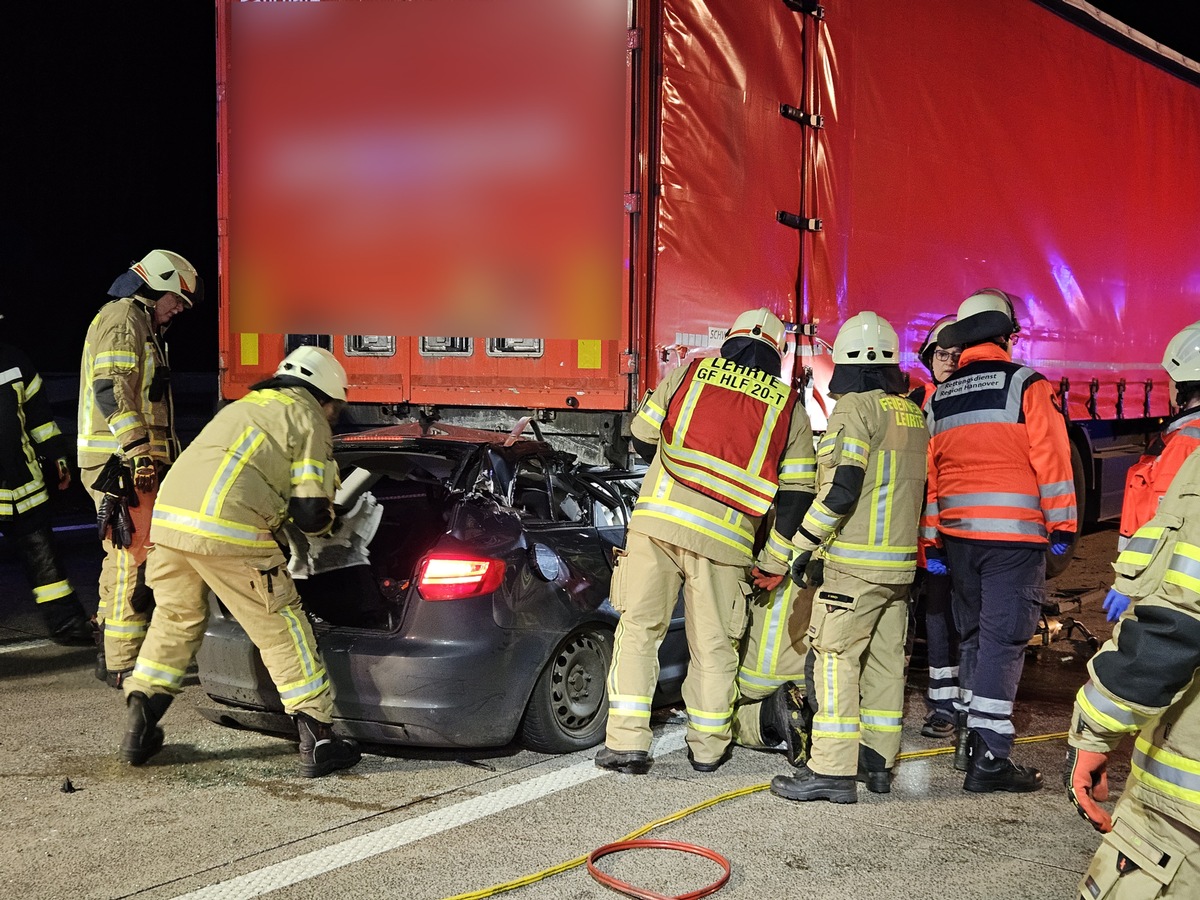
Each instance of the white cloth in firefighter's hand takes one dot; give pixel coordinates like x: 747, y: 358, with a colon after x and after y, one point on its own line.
x: 346, y: 547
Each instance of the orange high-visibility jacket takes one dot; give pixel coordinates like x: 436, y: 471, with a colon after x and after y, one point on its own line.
x: 1149, y: 478
x: 999, y: 457
x: 725, y: 431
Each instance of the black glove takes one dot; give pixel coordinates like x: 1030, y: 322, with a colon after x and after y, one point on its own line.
x: 113, y: 521
x: 799, y: 564
x: 145, y: 475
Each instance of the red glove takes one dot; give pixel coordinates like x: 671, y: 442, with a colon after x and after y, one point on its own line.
x: 764, y: 581
x: 1087, y: 782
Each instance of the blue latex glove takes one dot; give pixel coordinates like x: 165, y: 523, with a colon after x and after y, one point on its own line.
x: 1115, y: 604
x: 1058, y: 549
x: 935, y: 566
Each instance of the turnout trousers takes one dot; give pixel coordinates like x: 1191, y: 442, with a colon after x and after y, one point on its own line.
x: 772, y: 653
x: 857, y: 676
x: 645, y: 588
x: 1148, y: 854
x: 941, y: 646
x: 262, y: 598
x: 126, y: 603
x: 998, y: 596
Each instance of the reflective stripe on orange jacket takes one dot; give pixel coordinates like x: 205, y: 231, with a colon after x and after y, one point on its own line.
x: 999, y: 458
x: 1149, y: 478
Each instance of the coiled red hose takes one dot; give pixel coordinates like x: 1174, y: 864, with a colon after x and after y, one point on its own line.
x: 623, y: 887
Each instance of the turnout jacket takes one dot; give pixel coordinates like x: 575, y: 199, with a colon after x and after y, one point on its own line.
x: 729, y: 438
x: 878, y: 440
x: 1143, y: 680
x: 124, y: 388
x: 1149, y: 478
x: 999, y: 458
x: 229, y: 491
x: 27, y: 428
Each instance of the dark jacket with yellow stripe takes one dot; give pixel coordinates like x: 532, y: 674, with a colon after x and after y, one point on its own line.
x: 1143, y: 679
x: 27, y: 430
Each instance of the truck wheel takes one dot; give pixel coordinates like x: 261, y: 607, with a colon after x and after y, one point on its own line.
x: 1056, y: 565
x: 568, y: 709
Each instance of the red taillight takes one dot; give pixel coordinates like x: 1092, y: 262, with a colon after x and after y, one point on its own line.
x: 455, y: 577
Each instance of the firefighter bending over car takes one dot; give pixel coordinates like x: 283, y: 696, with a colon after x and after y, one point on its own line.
x: 1148, y: 479
x: 1000, y: 488
x: 1143, y: 683
x: 862, y: 529
x: 723, y: 436
x: 262, y: 461
x: 27, y: 431
x: 126, y: 422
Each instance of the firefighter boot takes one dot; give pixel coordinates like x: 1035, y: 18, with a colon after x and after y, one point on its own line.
x: 67, y: 623
x: 961, y: 737
x: 873, y: 771
x: 987, y: 773
x: 808, y: 785
x: 783, y: 716
x: 628, y: 762
x: 143, y: 737
x: 322, y: 751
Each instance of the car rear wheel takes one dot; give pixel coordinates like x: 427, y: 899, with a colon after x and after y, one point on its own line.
x: 569, y: 706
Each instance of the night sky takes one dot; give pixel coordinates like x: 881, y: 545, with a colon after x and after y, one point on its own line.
x: 110, y: 125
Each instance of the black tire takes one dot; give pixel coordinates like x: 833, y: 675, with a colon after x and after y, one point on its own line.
x: 568, y: 709
x: 1056, y: 565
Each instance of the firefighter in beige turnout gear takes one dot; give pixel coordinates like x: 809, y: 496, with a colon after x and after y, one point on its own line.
x: 264, y: 460
x: 1143, y: 683
x: 125, y: 409
x: 723, y: 437
x: 863, y: 524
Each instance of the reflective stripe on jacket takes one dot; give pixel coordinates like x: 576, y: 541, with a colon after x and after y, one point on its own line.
x: 884, y: 435
x: 999, y: 458
x: 1143, y: 680
x: 670, y: 510
x: 1149, y: 478
x: 122, y: 348
x: 25, y: 421
x: 228, y: 493
x: 740, y: 466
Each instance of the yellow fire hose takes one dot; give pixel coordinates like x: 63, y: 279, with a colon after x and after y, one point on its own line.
x: 683, y: 813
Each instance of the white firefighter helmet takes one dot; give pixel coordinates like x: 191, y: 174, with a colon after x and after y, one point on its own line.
x: 931, y: 341
x: 866, y: 340
x: 163, y: 270
x: 1182, y: 357
x: 318, y: 367
x: 986, y: 314
x: 760, y: 325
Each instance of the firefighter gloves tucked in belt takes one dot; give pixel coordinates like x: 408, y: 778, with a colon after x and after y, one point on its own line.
x: 1087, y: 783
x: 112, y: 518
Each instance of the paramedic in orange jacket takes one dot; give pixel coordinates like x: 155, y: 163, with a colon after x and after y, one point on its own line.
x: 1149, y: 478
x: 1000, y: 490
x: 723, y: 437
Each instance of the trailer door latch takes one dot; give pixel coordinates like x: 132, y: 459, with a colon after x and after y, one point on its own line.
x: 800, y: 223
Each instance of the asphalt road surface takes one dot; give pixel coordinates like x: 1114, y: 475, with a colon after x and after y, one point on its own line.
x: 221, y: 813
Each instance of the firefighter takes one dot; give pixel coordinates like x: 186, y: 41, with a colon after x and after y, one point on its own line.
x: 863, y: 526
x: 1000, y: 489
x: 263, y: 460
x: 941, y: 638
x: 1143, y: 682
x: 723, y: 436
x: 125, y: 409
x: 1149, y: 478
x: 27, y: 431
x: 771, y: 709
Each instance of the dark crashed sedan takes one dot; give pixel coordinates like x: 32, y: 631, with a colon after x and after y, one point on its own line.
x: 482, y: 615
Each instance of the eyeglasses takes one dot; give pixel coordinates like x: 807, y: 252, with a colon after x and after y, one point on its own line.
x: 950, y: 356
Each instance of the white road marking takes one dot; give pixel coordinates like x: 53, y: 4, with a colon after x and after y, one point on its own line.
x: 24, y: 645
x: 310, y: 865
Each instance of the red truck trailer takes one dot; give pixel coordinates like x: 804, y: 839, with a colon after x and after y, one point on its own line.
x: 817, y: 159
